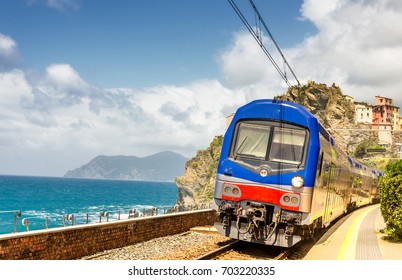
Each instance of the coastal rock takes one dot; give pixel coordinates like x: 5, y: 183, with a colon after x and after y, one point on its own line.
x: 197, y: 184
x: 335, y: 111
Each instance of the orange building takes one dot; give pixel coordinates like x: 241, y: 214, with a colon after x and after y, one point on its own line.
x: 384, y: 119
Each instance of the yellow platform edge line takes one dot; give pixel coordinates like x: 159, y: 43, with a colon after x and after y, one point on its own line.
x: 344, y: 251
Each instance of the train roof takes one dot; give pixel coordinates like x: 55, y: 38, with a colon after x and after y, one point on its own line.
x: 277, y: 110
x: 359, y: 167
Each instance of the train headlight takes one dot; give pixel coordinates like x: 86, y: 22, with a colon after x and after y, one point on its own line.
x: 297, y: 182
x: 290, y: 199
x: 294, y: 200
x: 231, y: 190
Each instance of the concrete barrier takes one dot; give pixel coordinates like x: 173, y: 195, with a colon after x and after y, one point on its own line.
x: 74, y: 242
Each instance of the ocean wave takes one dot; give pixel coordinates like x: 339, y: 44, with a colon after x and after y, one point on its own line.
x: 60, y: 217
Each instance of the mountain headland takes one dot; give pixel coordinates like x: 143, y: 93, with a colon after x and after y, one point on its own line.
x: 163, y: 166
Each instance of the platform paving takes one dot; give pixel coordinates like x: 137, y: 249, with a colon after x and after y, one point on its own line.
x: 359, y: 237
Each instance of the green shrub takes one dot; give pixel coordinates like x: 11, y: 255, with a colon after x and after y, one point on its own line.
x: 391, y: 199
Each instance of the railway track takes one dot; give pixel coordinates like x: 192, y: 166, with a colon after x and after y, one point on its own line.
x: 239, y: 250
x: 196, y: 243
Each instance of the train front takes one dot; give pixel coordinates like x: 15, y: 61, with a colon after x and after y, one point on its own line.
x: 266, y: 173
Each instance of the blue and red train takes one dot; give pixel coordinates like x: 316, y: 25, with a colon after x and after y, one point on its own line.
x: 281, y: 177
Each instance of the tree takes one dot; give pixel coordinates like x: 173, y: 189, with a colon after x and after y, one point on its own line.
x: 391, y: 199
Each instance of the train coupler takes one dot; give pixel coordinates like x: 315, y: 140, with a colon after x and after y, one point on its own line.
x: 289, y: 230
x: 226, y: 221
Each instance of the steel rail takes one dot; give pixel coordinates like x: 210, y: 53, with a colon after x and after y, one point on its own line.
x: 219, y: 251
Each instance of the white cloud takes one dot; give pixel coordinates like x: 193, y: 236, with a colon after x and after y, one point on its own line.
x: 183, y: 118
x: 7, y: 45
x: 358, y: 46
x: 8, y: 53
x: 244, y: 63
x: 14, y: 89
x: 249, y: 72
x: 63, y: 117
x: 64, y: 75
x: 61, y: 5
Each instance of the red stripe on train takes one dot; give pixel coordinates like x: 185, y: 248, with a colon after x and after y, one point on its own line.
x: 260, y: 194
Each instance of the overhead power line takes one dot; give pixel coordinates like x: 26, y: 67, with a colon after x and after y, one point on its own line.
x: 365, y: 129
x: 273, y: 40
x: 257, y: 35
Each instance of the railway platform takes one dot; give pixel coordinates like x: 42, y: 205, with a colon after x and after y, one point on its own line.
x: 356, y: 237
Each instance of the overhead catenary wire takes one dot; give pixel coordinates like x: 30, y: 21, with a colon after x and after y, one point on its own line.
x: 258, y: 40
x: 257, y: 35
x: 261, y: 20
x: 366, y: 129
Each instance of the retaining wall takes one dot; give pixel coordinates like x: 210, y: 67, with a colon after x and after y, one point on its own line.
x: 74, y: 242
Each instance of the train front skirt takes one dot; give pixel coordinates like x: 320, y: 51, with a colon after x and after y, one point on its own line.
x: 267, y: 235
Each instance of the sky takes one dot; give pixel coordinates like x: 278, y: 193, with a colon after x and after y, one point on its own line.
x: 82, y: 78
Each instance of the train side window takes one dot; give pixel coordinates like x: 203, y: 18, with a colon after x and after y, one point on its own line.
x: 320, y: 163
x: 326, y: 174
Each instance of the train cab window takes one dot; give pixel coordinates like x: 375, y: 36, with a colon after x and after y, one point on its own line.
x: 288, y: 145
x: 258, y: 143
x: 252, y: 140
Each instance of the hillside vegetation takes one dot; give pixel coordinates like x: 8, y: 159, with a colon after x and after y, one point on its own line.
x: 390, y: 200
x: 196, y: 186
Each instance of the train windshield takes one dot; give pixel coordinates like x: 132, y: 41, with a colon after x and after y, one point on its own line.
x: 287, y: 145
x: 257, y: 143
x: 252, y: 140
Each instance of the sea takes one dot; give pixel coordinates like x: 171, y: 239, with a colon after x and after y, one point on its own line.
x: 49, y: 202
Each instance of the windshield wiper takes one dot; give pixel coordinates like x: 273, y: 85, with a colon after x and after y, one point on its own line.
x: 246, y: 155
x: 237, y: 152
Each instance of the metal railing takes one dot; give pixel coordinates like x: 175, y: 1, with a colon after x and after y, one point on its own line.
x: 42, y: 222
x: 17, y: 214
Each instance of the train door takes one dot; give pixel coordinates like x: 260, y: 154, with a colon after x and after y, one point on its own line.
x: 329, y: 172
x: 374, y: 194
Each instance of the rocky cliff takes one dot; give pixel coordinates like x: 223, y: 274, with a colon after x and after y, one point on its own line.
x: 196, y: 186
x: 335, y: 111
x: 164, y: 166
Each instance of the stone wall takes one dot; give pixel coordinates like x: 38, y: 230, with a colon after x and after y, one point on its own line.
x: 78, y: 241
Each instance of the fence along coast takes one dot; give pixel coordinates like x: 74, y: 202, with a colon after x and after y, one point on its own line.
x: 76, y: 241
